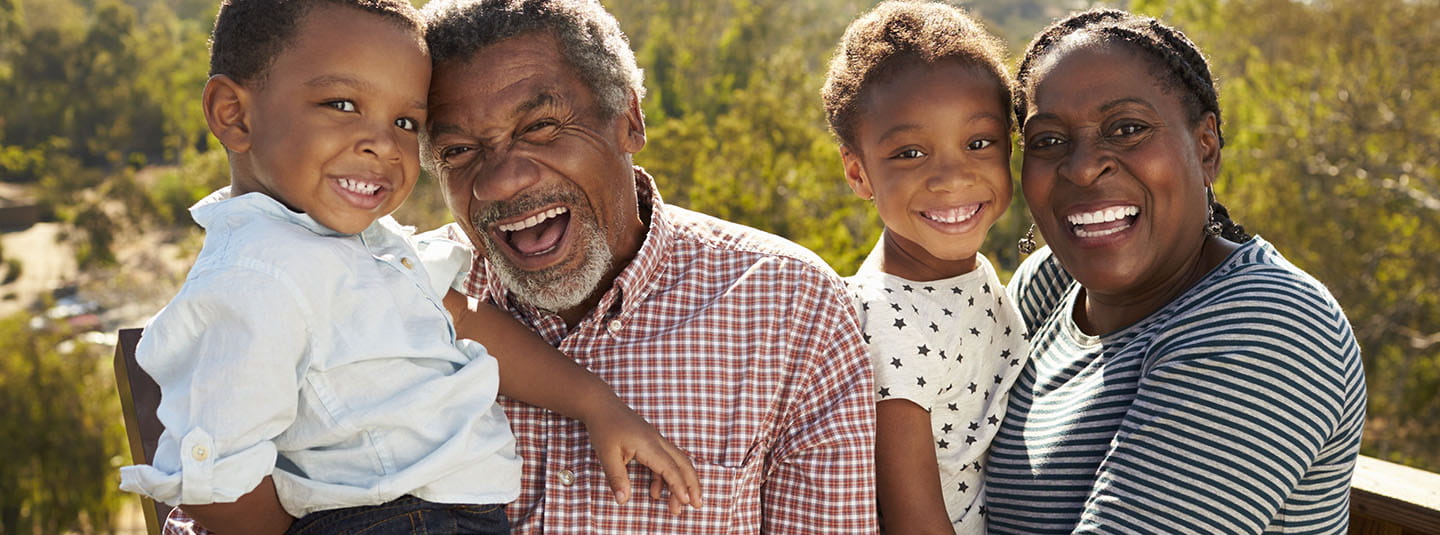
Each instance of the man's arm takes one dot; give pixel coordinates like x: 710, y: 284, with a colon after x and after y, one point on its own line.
x: 533, y: 372
x: 822, y: 472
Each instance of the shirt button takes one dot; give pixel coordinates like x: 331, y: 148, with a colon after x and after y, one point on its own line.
x: 199, y: 452
x: 567, y: 477
x: 615, y: 325
x: 405, y: 261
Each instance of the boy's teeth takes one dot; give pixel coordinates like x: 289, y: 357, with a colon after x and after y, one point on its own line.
x: 1103, y: 216
x: 363, y: 188
x: 533, y: 220
x: 953, y: 215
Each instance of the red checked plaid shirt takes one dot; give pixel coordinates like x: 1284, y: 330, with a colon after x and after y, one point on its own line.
x: 740, y: 347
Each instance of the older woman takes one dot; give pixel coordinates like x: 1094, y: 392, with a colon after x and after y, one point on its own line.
x: 1185, y: 378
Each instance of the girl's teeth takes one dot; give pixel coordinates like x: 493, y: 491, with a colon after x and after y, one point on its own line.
x: 533, y: 220
x: 953, y: 215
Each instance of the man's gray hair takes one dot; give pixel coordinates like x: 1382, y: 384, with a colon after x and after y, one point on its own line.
x: 589, y: 38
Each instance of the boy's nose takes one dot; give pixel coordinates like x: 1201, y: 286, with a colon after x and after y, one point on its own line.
x: 383, y: 142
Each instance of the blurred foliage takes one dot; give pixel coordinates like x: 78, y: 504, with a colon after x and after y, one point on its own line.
x: 59, y: 422
x: 1333, y: 127
x: 1332, y: 156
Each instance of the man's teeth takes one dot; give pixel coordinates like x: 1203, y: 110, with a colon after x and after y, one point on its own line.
x: 356, y: 186
x: 1103, y: 216
x: 533, y: 220
x: 953, y: 215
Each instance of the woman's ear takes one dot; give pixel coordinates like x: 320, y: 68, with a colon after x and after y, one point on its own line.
x: 855, y: 173
x: 227, y: 112
x: 1207, y: 145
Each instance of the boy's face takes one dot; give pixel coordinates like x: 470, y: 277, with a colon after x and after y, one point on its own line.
x: 932, y: 147
x: 333, y: 127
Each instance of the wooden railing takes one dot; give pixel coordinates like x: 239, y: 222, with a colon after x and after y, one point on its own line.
x: 1392, y: 499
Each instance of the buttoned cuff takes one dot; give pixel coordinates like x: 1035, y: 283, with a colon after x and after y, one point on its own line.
x: 204, y: 477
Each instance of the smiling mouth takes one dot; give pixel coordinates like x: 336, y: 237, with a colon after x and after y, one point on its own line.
x: 360, y: 187
x: 1100, y: 223
x: 537, y: 234
x: 953, y: 216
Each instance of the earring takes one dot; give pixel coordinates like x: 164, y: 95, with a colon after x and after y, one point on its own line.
x: 1027, y: 244
x: 1213, y: 227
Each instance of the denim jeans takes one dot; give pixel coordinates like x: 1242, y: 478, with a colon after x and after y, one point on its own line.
x: 406, y: 515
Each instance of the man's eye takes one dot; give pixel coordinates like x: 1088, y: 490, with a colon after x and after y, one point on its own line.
x: 449, y: 153
x: 341, y: 105
x: 540, y: 125
x: 979, y: 144
x: 908, y: 154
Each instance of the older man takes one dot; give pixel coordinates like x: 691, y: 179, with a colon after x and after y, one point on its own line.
x: 738, y: 345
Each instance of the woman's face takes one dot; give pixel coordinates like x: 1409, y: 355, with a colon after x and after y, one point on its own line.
x: 1114, y: 172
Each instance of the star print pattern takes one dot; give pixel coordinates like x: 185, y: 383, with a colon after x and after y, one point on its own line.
x: 913, y: 330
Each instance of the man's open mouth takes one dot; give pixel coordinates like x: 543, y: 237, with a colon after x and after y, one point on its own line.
x: 537, y: 234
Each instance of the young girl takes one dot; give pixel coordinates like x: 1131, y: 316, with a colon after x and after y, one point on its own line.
x: 919, y: 99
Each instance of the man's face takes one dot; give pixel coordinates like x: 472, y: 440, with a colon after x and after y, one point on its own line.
x: 534, y: 171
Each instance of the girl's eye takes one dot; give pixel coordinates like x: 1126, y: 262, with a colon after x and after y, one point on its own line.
x: 907, y: 154
x: 341, y: 105
x: 979, y: 144
x: 407, y: 124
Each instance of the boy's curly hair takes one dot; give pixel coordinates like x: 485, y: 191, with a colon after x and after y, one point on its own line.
x: 898, y: 34
x: 250, y: 34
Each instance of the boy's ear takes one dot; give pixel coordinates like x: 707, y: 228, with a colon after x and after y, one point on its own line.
x: 227, y: 112
x: 1207, y: 145
x: 633, y: 136
x: 855, y: 173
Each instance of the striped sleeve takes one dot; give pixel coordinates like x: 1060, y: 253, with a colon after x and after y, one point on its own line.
x: 1247, y: 418
x: 1038, y: 286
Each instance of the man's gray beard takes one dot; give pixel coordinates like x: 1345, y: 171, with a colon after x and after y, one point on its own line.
x: 559, y: 287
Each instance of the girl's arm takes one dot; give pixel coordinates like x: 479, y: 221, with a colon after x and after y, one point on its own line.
x: 533, y: 372
x: 907, y: 475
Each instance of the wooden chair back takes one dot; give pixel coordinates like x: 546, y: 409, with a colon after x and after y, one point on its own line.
x: 139, y: 398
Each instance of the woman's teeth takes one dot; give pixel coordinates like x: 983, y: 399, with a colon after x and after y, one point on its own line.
x: 533, y: 220
x: 1103, y: 216
x: 356, y: 186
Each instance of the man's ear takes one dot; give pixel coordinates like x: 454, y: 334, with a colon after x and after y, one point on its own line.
x: 227, y: 112
x: 1207, y: 145
x: 855, y: 173
x: 633, y: 137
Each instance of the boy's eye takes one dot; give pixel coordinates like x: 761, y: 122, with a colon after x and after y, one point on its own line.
x: 980, y: 144
x: 341, y: 105
x: 908, y: 154
x: 408, y: 124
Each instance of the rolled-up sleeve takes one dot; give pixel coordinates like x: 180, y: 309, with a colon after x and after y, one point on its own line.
x: 228, y: 353
x: 447, y: 257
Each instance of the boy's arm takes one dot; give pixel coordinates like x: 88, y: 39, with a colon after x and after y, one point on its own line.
x: 907, y: 474
x: 257, y: 512
x: 533, y: 372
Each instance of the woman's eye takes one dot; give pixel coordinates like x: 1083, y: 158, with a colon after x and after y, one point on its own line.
x: 907, y: 154
x: 341, y: 105
x: 1128, y: 130
x: 1043, y: 141
x: 979, y: 144
x: 408, y: 124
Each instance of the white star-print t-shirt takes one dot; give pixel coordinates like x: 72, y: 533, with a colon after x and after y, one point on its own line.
x: 953, y: 347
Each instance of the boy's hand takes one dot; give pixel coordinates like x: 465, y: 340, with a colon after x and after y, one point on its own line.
x: 619, y: 435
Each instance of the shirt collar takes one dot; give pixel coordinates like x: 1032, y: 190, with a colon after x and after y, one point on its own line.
x: 636, y: 281
x: 222, y: 204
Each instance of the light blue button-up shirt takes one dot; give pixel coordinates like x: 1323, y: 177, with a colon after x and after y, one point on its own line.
x: 328, y: 355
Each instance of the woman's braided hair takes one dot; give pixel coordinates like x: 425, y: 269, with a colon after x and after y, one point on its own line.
x: 1179, y: 63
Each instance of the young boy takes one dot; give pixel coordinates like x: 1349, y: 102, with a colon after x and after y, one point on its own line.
x: 308, y: 367
x: 918, y: 95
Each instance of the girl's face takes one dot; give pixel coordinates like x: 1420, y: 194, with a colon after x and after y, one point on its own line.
x: 932, y: 148
x: 1114, y: 172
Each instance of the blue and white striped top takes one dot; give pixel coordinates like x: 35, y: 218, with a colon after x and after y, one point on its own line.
x: 1236, y: 408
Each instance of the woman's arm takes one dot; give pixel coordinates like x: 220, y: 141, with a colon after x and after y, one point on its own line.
x: 533, y: 372
x: 907, y: 474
